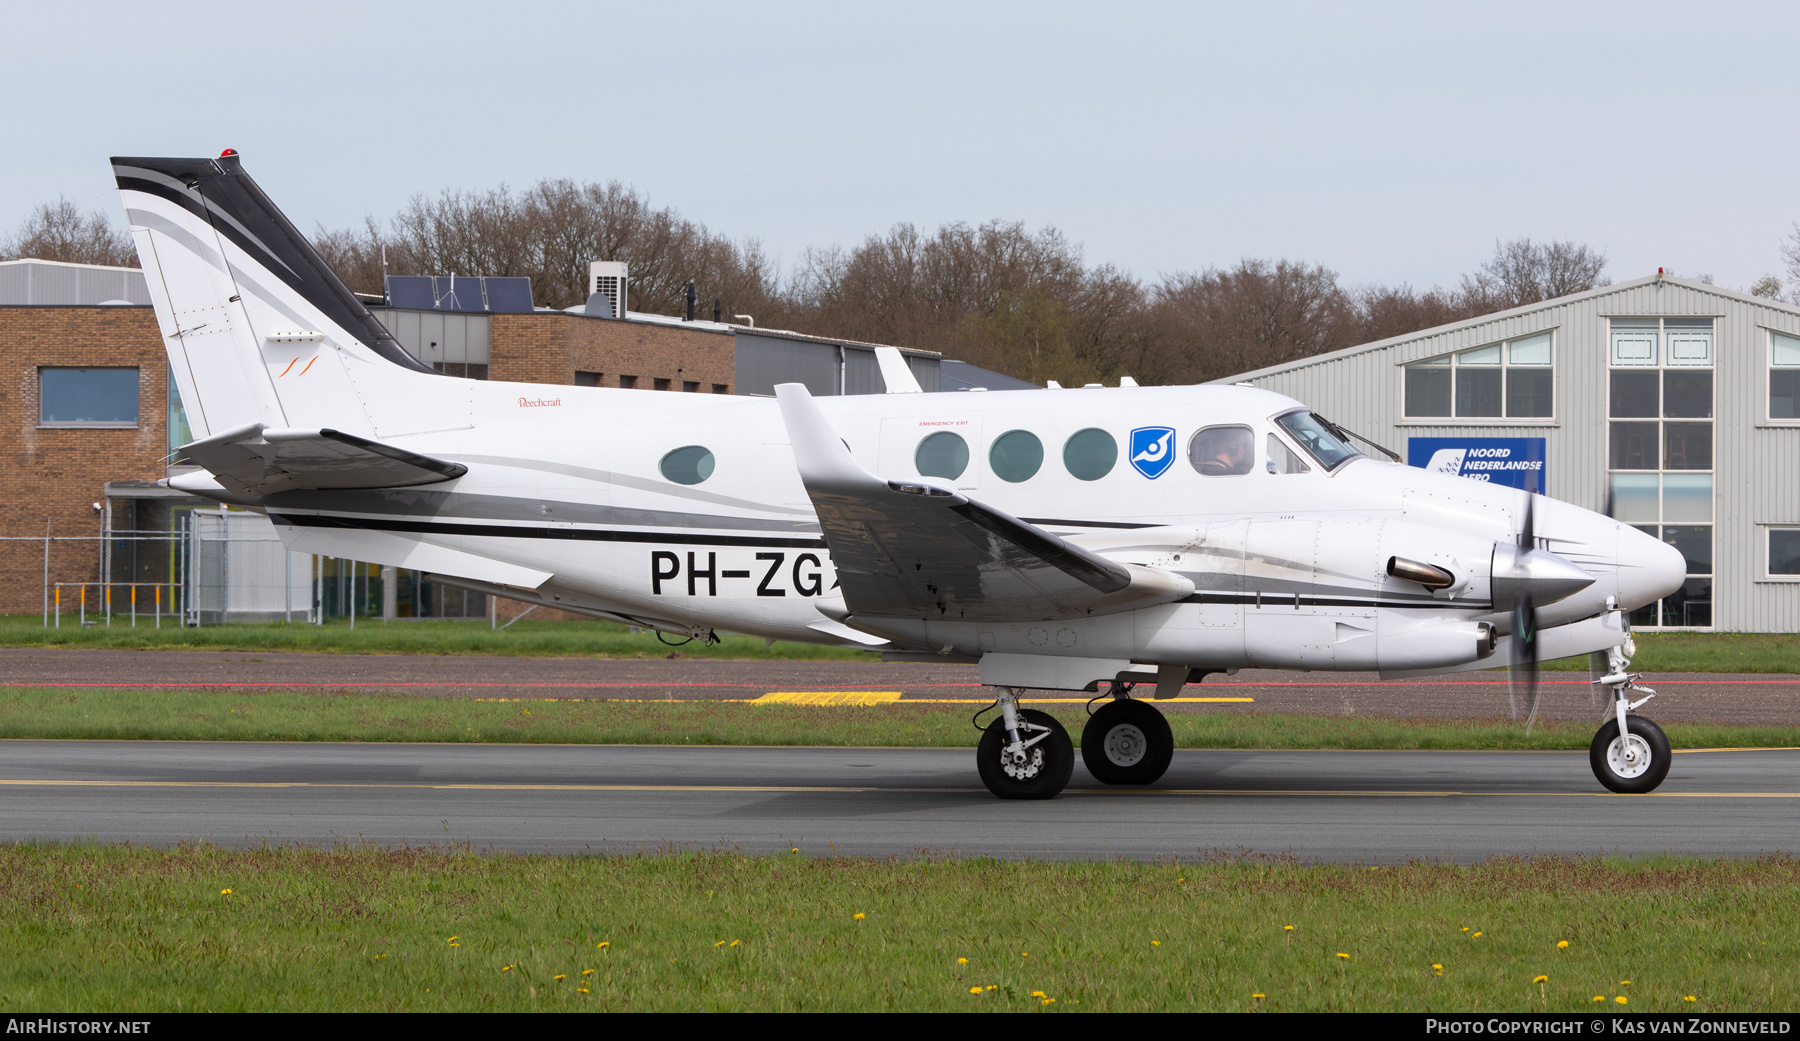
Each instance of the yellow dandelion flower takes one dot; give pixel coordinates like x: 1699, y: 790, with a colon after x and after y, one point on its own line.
x: 1562, y: 945
x: 560, y: 976
x: 858, y: 916
x: 1049, y: 1001
x: 1624, y: 983
x: 974, y: 990
x: 1599, y: 997
x: 1472, y: 937
x: 1621, y: 1000
x: 1259, y: 997
x: 1024, y: 954
x: 734, y: 943
x: 1465, y: 928
x: 1287, y: 928
x: 581, y: 990
x: 1344, y: 956
x: 603, y: 943
x: 1436, y: 966
x: 378, y: 957
x: 456, y: 945
x: 1690, y: 997
x: 224, y: 892
x: 1540, y: 979
x: 1037, y: 993
x: 452, y: 939
x: 962, y: 961
x: 721, y: 943
x: 1156, y: 943
x: 587, y: 972
x: 992, y: 987
x: 796, y: 849
x: 1181, y: 880
x: 506, y: 968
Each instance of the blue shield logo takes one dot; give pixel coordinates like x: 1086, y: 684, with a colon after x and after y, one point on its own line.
x: 1152, y: 450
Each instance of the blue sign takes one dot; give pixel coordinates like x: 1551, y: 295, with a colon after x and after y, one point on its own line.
x: 1152, y: 450
x: 1517, y: 462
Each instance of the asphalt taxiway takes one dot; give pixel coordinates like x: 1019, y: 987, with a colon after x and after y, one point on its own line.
x: 1374, y: 807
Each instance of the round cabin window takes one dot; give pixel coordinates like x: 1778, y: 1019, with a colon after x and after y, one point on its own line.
x: 1090, y: 454
x: 942, y: 454
x: 1016, y: 456
x: 689, y: 465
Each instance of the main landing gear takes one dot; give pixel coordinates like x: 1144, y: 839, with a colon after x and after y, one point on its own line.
x: 1630, y: 754
x: 1026, y: 754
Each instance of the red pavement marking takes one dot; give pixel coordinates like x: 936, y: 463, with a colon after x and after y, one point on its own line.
x: 833, y: 686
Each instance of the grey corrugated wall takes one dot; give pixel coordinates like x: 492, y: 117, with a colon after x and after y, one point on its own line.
x: 1756, y: 461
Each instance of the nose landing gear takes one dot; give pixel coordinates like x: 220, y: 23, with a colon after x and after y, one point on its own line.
x: 1630, y: 755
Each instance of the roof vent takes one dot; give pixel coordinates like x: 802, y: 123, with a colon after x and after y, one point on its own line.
x: 607, y: 281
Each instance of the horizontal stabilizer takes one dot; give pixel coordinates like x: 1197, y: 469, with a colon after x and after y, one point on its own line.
x: 255, y: 460
x: 910, y: 549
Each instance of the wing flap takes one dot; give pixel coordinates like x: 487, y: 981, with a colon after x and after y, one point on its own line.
x: 256, y: 460
x: 910, y: 549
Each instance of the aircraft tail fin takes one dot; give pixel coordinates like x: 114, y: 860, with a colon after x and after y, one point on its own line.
x: 257, y: 326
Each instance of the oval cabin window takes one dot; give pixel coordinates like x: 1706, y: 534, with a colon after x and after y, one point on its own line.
x: 689, y: 465
x: 1016, y: 456
x: 942, y: 454
x: 1090, y: 454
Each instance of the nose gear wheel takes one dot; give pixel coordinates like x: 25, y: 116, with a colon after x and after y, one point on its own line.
x: 1127, y: 742
x: 1634, y: 764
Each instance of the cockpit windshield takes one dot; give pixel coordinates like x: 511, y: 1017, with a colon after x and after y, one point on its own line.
x: 1318, y: 440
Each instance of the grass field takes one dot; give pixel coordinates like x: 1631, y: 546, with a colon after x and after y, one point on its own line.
x: 117, y: 928
x: 39, y: 712
x: 526, y: 638
x: 1657, y: 652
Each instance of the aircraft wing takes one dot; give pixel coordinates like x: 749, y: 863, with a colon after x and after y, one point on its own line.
x: 910, y: 549
x: 256, y: 460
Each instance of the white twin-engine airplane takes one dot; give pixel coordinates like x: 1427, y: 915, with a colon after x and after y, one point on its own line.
x: 1058, y: 538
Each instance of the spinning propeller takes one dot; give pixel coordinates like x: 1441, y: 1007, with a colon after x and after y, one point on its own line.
x: 1525, y: 579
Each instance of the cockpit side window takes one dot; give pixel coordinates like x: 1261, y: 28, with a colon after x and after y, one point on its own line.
x: 1282, y: 460
x: 1317, y: 439
x: 1223, y: 451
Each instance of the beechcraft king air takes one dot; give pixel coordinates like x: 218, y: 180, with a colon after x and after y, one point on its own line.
x: 1105, y: 540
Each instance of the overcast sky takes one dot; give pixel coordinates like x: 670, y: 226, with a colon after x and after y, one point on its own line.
x: 1391, y: 142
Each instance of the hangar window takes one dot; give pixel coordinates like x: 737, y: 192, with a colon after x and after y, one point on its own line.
x: 88, y: 397
x: 1016, y: 456
x: 1660, y: 451
x: 1784, y: 376
x: 1223, y: 451
x: 1784, y: 552
x: 1513, y: 379
x: 942, y: 454
x: 1090, y: 454
x: 689, y: 465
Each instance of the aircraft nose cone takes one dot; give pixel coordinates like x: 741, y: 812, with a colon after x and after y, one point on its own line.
x: 1649, y: 569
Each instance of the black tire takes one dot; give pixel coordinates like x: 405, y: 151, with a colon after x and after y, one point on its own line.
x: 1141, y: 743
x: 1049, y: 762
x: 1633, y: 780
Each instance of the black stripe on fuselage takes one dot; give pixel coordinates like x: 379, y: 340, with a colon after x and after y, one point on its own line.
x: 511, y: 531
x: 1279, y: 601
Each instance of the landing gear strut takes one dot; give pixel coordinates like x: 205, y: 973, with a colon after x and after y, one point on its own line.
x: 1025, y: 754
x: 1127, y: 742
x: 1630, y: 754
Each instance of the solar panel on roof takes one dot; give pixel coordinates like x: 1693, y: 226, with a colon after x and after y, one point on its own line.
x: 459, y: 293
x: 411, y: 291
x: 508, y: 295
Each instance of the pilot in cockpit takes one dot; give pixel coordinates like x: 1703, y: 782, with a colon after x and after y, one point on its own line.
x: 1223, y: 451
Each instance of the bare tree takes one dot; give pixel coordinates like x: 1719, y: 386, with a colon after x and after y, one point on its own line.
x: 1221, y: 322
x: 60, y: 231
x: 1524, y: 272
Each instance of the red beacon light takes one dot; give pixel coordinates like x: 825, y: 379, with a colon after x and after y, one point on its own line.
x: 227, y: 152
